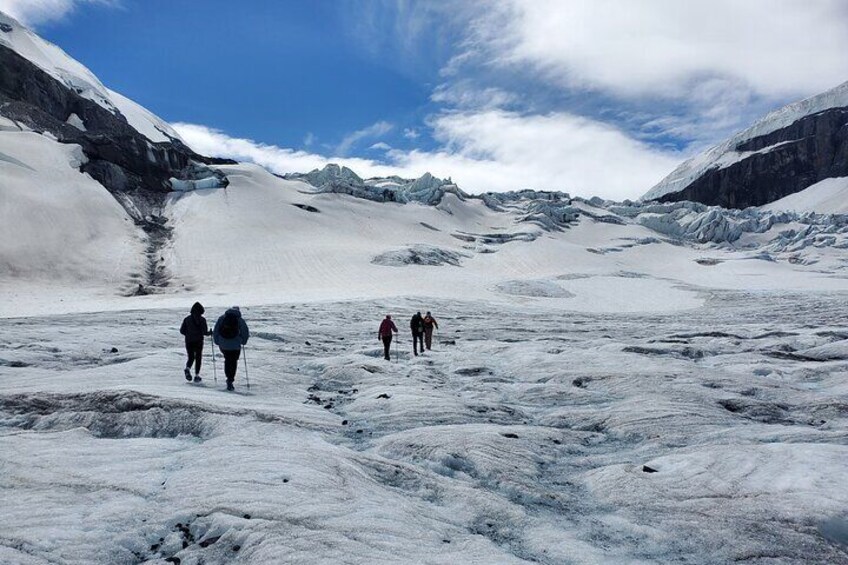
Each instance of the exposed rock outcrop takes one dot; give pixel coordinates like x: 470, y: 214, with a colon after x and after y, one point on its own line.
x: 118, y: 156
x: 785, y: 152
x: 772, y: 166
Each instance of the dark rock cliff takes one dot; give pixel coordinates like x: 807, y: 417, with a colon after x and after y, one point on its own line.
x: 119, y: 157
x: 811, y: 149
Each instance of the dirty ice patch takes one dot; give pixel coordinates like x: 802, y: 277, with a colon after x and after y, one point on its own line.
x: 418, y: 255
x: 533, y: 289
x: 627, y: 294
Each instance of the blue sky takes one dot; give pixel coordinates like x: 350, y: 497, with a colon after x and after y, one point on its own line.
x: 286, y: 73
x: 587, y: 96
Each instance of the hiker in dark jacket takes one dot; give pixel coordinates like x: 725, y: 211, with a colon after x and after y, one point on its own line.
x: 230, y: 334
x: 194, y: 329
x: 429, y: 323
x: 387, y: 326
x: 416, y: 324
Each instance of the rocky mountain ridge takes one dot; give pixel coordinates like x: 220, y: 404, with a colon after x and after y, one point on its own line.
x: 44, y: 90
x: 784, y: 153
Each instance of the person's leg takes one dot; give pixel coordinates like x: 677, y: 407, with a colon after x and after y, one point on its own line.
x: 198, y: 357
x: 421, y: 342
x: 231, y: 364
x: 189, y: 360
x: 387, y: 345
x: 428, y: 338
x: 415, y: 344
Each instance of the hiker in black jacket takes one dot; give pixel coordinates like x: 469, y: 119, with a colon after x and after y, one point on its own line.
x: 231, y: 334
x: 416, y: 325
x: 194, y: 329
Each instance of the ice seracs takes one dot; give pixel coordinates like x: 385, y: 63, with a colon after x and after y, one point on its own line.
x: 426, y: 189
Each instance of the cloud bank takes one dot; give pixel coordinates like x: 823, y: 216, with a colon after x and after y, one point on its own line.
x: 666, y: 47
x: 494, y: 150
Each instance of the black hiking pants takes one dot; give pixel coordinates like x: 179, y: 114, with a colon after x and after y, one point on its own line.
x: 417, y: 342
x: 231, y: 358
x: 387, y: 346
x: 194, y: 349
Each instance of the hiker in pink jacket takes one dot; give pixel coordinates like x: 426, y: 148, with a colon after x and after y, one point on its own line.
x: 385, y: 334
x: 429, y: 323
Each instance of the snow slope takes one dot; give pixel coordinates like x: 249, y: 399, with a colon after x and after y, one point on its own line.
x: 265, y: 240
x: 268, y: 240
x: 77, y: 77
x: 723, y: 155
x: 60, y: 229
x: 829, y: 196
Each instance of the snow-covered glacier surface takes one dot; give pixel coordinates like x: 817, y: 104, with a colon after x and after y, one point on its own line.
x: 526, y: 435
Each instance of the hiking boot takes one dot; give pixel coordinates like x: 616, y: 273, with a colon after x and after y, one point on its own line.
x: 230, y: 386
x: 197, y: 378
x: 187, y: 374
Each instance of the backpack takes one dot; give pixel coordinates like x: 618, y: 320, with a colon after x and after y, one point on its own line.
x: 229, y: 326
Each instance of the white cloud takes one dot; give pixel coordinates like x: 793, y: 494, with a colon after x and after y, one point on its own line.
x: 487, y: 151
x: 411, y: 133
x: 35, y: 12
x: 381, y: 146
x: 374, y: 130
x: 557, y: 151
x: 465, y: 94
x: 776, y: 48
x: 210, y: 141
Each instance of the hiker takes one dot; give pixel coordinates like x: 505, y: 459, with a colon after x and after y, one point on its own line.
x: 429, y: 323
x: 230, y: 334
x: 194, y: 329
x: 387, y: 326
x: 416, y: 324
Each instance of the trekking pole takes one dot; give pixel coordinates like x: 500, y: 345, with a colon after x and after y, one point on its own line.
x: 214, y: 368
x: 396, y: 348
x: 244, y: 356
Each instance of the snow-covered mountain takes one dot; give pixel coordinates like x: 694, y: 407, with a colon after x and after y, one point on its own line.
x: 783, y: 153
x: 126, y: 148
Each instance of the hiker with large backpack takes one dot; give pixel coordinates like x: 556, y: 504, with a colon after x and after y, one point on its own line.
x: 231, y: 334
x: 194, y: 329
x: 429, y: 323
x: 416, y: 325
x: 387, y: 326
